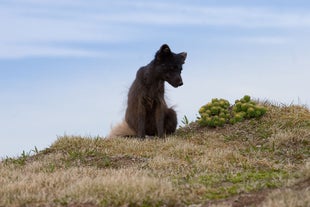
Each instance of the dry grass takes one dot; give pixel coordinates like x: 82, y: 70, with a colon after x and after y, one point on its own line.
x: 257, y: 162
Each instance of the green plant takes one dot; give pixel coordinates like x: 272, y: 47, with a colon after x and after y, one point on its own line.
x: 245, y: 108
x: 22, y: 159
x: 215, y: 113
x: 218, y: 112
x: 185, y: 120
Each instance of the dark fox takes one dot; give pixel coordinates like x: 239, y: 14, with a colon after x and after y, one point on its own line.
x: 147, y: 112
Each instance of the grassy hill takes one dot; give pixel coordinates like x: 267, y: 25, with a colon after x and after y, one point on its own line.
x: 257, y: 162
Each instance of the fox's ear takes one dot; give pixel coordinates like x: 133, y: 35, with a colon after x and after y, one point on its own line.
x: 183, y: 56
x: 163, y: 52
x: 165, y: 49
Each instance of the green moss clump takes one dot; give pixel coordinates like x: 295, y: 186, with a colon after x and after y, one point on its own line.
x: 245, y: 108
x: 215, y: 113
x: 219, y: 112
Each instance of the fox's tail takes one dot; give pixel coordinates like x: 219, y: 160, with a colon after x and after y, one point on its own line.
x: 121, y: 130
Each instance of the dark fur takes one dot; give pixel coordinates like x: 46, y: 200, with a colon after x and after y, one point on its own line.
x: 147, y: 112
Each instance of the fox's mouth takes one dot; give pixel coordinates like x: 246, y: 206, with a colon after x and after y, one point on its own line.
x: 176, y: 84
x: 180, y: 84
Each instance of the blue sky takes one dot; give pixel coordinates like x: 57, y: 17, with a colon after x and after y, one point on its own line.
x: 66, y: 66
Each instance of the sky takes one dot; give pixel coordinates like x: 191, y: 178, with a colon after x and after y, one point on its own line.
x: 66, y: 65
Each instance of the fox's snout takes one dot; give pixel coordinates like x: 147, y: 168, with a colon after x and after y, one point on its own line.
x: 176, y: 81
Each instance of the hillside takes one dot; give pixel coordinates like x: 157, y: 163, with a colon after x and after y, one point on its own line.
x: 257, y: 162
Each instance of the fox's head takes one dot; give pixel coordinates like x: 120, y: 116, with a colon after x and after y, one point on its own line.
x: 170, y: 65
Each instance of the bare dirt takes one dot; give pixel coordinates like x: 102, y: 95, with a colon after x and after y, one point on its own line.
x: 256, y: 198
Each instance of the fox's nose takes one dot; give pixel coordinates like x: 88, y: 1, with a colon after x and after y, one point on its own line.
x: 180, y: 83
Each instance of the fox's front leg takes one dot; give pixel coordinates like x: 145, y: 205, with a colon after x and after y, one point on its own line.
x: 160, y: 118
x: 141, y: 120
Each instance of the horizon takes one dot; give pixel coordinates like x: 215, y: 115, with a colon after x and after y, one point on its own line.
x: 66, y: 66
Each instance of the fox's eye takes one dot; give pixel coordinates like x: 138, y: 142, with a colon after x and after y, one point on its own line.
x: 175, y: 67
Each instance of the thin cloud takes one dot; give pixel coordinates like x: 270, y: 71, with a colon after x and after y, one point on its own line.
x: 204, y: 15
x: 18, y: 51
x: 40, y: 22
x: 274, y: 40
x: 160, y: 13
